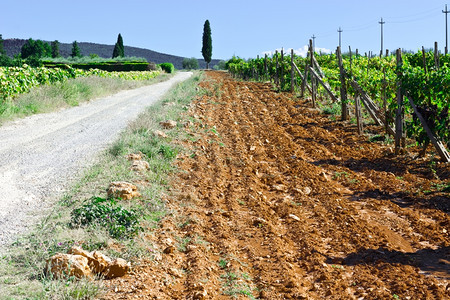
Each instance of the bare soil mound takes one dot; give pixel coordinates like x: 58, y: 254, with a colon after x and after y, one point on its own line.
x: 279, y: 202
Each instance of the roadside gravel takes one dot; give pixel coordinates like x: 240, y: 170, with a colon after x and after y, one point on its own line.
x: 41, y: 154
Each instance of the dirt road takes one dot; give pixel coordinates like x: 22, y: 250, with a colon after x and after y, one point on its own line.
x: 40, y: 154
x: 277, y: 201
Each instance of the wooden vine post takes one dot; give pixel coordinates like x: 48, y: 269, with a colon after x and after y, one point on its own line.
x: 281, y: 70
x: 305, y: 78
x: 399, y: 137
x: 386, y: 117
x: 343, y: 88
x: 292, y: 71
x: 276, y: 67
x: 253, y: 71
x: 359, y: 122
x: 257, y: 69
x: 265, y: 66
x: 424, y: 59
x: 436, y: 55
x: 313, y: 85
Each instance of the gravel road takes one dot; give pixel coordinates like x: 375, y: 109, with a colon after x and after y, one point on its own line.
x: 41, y: 153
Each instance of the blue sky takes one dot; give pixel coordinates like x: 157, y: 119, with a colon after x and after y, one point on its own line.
x: 245, y: 28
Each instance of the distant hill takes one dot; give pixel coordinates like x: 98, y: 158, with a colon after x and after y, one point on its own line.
x: 13, y: 46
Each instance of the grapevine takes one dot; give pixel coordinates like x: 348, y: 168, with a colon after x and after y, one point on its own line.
x: 18, y: 80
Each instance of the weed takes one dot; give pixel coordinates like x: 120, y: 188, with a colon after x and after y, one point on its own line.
x: 168, y: 152
x: 233, y: 285
x: 331, y: 109
x: 338, y: 175
x: 182, y: 243
x: 119, y: 222
x: 443, y: 187
x: 223, y: 263
x: 118, y: 148
x: 385, y: 138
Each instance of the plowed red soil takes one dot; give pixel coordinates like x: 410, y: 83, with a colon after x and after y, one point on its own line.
x: 279, y: 202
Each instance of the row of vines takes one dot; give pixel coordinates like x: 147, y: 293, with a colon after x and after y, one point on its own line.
x: 17, y: 80
x: 422, y: 76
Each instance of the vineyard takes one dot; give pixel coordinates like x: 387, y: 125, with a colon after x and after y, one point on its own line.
x: 18, y: 80
x: 402, y: 88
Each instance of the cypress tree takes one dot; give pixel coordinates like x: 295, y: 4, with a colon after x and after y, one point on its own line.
x: 76, y: 52
x: 119, y: 50
x: 207, y: 43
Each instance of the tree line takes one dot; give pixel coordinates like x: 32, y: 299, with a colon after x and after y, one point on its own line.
x: 34, y: 50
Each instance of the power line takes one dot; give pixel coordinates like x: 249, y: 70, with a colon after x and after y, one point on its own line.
x: 431, y: 11
x: 430, y: 15
x: 392, y: 20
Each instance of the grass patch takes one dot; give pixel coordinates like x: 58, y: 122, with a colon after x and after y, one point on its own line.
x: 333, y: 108
x: 80, y: 217
x: 120, y: 222
x: 69, y: 93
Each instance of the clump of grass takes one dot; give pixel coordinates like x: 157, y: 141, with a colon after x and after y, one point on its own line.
x: 120, y: 222
x: 331, y: 108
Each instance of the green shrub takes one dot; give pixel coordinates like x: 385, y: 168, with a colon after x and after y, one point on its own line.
x: 167, y: 67
x: 167, y: 151
x: 119, y: 222
x: 6, y: 61
x: 107, y: 66
x: 190, y: 63
x: 221, y: 65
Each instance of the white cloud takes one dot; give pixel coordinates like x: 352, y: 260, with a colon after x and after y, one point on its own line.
x: 300, y: 51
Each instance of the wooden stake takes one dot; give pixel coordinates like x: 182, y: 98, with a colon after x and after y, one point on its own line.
x: 359, y: 123
x: 369, y: 104
x: 350, y: 52
x: 281, y: 70
x: 399, y: 115
x: 386, y: 121
x: 257, y: 69
x: 343, y: 88
x: 276, y: 67
x: 304, y: 83
x: 265, y: 66
x: 436, y: 55
x: 324, y: 84
x: 313, y: 86
x: 292, y: 71
x: 424, y: 58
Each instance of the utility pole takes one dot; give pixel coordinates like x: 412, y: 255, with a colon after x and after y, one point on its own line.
x: 381, y: 23
x: 340, y: 31
x: 446, y: 29
x: 314, y: 43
